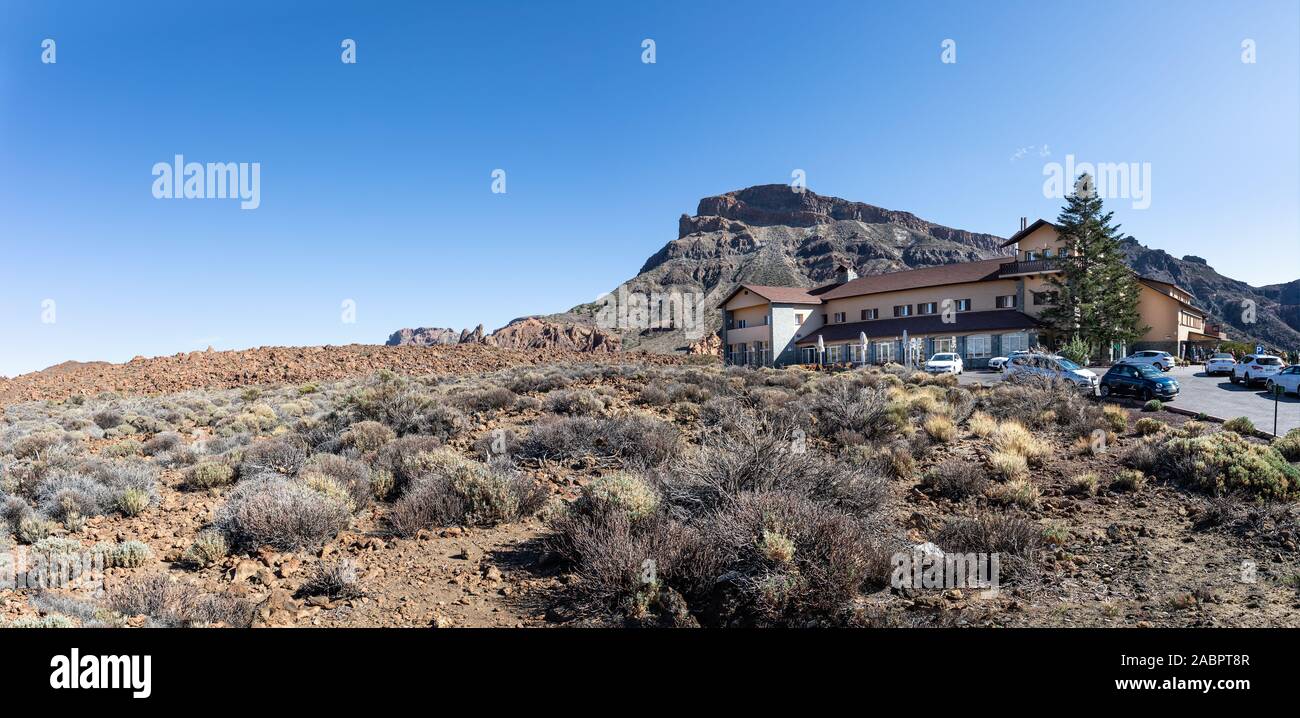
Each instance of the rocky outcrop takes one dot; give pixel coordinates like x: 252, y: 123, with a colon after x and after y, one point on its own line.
x: 434, y: 336
x: 710, y: 345
x: 537, y: 333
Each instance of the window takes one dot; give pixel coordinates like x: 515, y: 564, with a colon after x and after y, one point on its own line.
x: 1042, y: 298
x: 884, y: 351
x: 946, y: 345
x: 1006, y: 302
x: 927, y: 308
x: 839, y: 317
x: 741, y: 324
x: 824, y: 319
x: 961, y: 305
x: 1030, y: 255
x: 903, y: 310
x: 1014, y: 343
x: 798, y: 318
x: 1047, y: 253
x: 870, y: 314
x: 978, y: 346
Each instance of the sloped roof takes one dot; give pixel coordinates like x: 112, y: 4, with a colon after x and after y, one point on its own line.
x: 1025, y: 232
x: 957, y: 273
x: 780, y: 295
x: 995, y: 319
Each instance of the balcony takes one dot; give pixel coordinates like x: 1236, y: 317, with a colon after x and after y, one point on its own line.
x: 1037, y: 266
x: 750, y: 334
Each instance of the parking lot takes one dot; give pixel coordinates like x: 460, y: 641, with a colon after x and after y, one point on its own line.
x: 1213, y: 395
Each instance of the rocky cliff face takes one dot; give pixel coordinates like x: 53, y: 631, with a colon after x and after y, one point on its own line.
x: 434, y: 336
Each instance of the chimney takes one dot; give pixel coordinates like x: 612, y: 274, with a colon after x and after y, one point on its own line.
x: 1024, y: 222
x: 844, y: 273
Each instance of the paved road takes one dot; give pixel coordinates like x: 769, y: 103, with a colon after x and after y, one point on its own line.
x: 1214, y: 395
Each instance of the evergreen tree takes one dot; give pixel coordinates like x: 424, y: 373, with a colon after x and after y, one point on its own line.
x: 1097, y: 294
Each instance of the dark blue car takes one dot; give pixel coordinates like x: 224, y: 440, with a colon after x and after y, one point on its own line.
x: 1141, y: 380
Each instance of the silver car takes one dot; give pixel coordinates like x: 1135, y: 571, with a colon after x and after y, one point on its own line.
x: 1164, y: 361
x: 1219, y: 364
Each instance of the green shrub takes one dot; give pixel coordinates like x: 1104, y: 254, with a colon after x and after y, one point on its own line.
x: 1147, y: 426
x: 122, y: 449
x: 368, y: 436
x: 33, y: 528
x: 1240, y: 425
x: 454, y: 491
x: 1153, y: 405
x: 624, y: 492
x: 132, y: 501
x: 51, y: 621
x: 208, y: 548
x: 1289, y: 446
x: 1128, y: 480
x: 209, y: 474
x: 129, y: 554
x: 1226, y: 462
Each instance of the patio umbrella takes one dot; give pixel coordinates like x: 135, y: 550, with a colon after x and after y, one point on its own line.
x: 907, y: 351
x: 821, y: 348
x: 863, y: 337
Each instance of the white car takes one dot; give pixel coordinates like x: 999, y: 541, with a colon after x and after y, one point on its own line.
x: 944, y: 363
x: 1000, y: 363
x: 1050, y: 366
x: 1219, y: 364
x: 1256, y: 367
x: 1288, y: 380
x: 1164, y: 361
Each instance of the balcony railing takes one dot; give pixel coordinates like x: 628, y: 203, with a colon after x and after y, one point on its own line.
x: 750, y: 358
x: 1037, y: 266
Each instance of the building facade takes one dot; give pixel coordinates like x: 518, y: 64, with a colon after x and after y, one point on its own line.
x: 976, y: 309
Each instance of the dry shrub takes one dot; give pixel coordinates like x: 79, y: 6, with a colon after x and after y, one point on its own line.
x: 576, y: 402
x: 636, y: 439
x: 955, y: 479
x: 367, y: 436
x: 981, y: 424
x: 276, y: 456
x: 281, y: 513
x: 1013, y: 438
x: 334, y: 579
x: 940, y: 428
x: 172, y: 604
x: 1008, y: 466
x: 1019, y: 492
x: 354, y: 476
x: 401, y: 458
x: 454, y: 491
x: 1015, y: 540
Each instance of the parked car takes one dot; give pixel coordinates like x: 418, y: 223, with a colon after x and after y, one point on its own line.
x: 1000, y: 363
x: 944, y: 363
x: 1164, y: 361
x: 1049, y: 366
x: 1256, y: 367
x: 1219, y: 364
x: 1140, y: 380
x: 1288, y: 379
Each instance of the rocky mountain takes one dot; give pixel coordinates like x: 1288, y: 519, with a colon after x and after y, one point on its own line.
x: 1269, y: 315
x: 769, y: 234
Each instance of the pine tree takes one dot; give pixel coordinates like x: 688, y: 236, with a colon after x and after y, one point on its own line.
x: 1097, y: 294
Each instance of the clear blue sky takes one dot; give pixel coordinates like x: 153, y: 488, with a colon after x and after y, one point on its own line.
x: 376, y: 186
